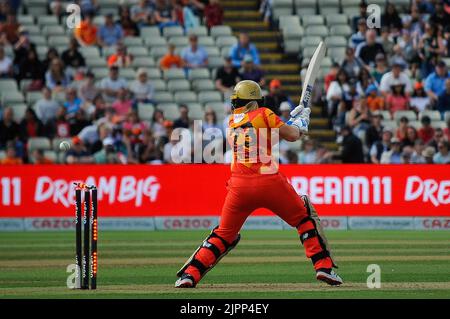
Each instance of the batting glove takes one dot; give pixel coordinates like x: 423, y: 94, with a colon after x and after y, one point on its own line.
x: 301, y: 120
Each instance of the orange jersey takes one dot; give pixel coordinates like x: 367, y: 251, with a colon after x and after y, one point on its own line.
x: 250, y: 137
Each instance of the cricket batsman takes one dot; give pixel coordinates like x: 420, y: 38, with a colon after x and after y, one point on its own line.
x: 256, y: 184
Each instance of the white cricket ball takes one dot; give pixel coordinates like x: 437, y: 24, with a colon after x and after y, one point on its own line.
x: 64, y: 146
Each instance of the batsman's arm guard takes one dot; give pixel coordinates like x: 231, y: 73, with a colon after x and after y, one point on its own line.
x: 318, y: 231
x: 192, y: 261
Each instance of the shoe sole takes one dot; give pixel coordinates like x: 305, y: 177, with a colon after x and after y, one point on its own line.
x: 184, y: 284
x: 327, y: 279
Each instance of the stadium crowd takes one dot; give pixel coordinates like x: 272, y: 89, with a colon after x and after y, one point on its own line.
x: 399, y: 69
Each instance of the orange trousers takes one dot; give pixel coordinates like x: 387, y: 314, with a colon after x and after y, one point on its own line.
x: 248, y: 193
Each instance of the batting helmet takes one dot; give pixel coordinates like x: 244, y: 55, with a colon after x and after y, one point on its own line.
x: 245, y: 92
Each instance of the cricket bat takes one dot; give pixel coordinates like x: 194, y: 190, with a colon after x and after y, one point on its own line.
x: 310, y: 78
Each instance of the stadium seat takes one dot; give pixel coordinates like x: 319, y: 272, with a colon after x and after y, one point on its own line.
x: 13, y: 97
x: 301, y: 12
x: 337, y: 54
x: 289, y: 20
x: 7, y: 86
x: 386, y: 114
x: 416, y: 124
x: 336, y: 41
x: 47, y: 20
x: 150, y: 32
x: 128, y: 73
x: 351, y: 11
x: 199, y: 31
x: 433, y: 115
x: 220, y: 30
x: 215, y: 62
x: 223, y: 41
x: 317, y: 30
x: 156, y: 42
x: 158, y: 84
x: 89, y: 52
x: 311, y: 20
x: 163, y: 97
x: 196, y: 111
x: 172, y: 74
x: 25, y: 19
x: 19, y: 112
x: 138, y: 51
x: 96, y: 62
x: 33, y: 97
x: 447, y: 116
x: 212, y: 52
x: 308, y: 52
x: 336, y: 19
x: 281, y: 8
x: 209, y: 96
x: 200, y: 73
x: 293, y: 32
x: 100, y: 73
x: 182, y: 97
x: 310, y: 41
x: 390, y: 124
x: 41, y: 143
x: 439, y: 124
x: 342, y: 30
x: 38, y: 40
x: 132, y: 41
x: 145, y: 111
x: 178, y: 85
x: 170, y: 110
x: 206, y: 41
x: 143, y: 62
x: 292, y: 46
x: 218, y: 107
x: 172, y: 31
x: 154, y: 73
x: 51, y: 30
x: 158, y: 52
x: 58, y: 41
x: 203, y: 85
x: 409, y: 114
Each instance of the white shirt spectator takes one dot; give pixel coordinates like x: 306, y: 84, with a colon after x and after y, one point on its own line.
x: 46, y: 109
x: 388, y: 80
x: 5, y: 65
x: 142, y: 91
x: 116, y: 85
x: 335, y: 89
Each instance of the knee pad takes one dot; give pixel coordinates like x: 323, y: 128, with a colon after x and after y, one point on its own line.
x: 218, y: 254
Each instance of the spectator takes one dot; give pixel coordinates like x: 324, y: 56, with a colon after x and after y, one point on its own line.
x: 407, y: 46
x: 337, y: 93
x: 375, y: 130
x: 11, y: 156
x: 46, y: 107
x: 123, y: 104
x: 351, y: 64
x: 352, y: 149
x: 251, y: 72
x: 72, y: 103
x: 364, y: 80
x: 142, y: 13
x: 133, y: 123
x: 108, y: 153
x: 428, y: 155
x: 9, y: 129
x: 149, y: 150
x: 426, y: 132
x: 419, y: 100
x: 374, y: 101
x: 437, y: 138
x: 6, y: 67
x: 78, y: 153
x: 398, y: 56
x: 227, y: 76
x: 359, y: 117
x: 110, y: 33
x: 395, y: 77
x: 406, y: 156
x: 360, y: 35
x: 60, y: 126
x: 276, y: 96
x: 447, y: 130
x: 381, y: 146
x: 362, y: 15
x: 30, y: 126
x: 171, y: 59
x: 368, y: 50
x: 78, y: 122
x: 285, y: 110
x: 31, y: 68
x: 416, y: 157
x: 183, y: 121
x: 394, y: 155
x: 210, y: 120
x: 386, y: 42
x: 431, y: 47
x: 56, y: 78
x: 142, y: 88
x: 194, y: 56
x: 443, y: 103
x: 435, y: 82
x: 121, y: 58
x: 165, y: 14
x: 88, y: 90
x: 86, y: 34
x: 184, y: 15
x: 308, y: 153
x: 402, y: 128
x: 331, y: 75
x: 130, y: 29
x: 443, y: 154
x: 213, y: 13
x: 11, y: 29
x: 410, y: 137
x: 381, y: 67
x: 72, y: 58
x: 242, y: 49
x: 440, y: 16
x: 158, y: 126
x: 397, y: 100
x: 391, y: 19
x: 22, y: 46
x: 39, y: 158
x: 51, y: 54
x: 89, y: 6
x: 112, y: 84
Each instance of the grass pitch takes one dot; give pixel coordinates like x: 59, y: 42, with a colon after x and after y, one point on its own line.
x: 265, y: 264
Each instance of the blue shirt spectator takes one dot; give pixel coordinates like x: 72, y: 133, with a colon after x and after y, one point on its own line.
x: 435, y: 82
x: 194, y: 56
x: 72, y: 103
x: 443, y: 104
x: 110, y: 33
x: 243, y: 48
